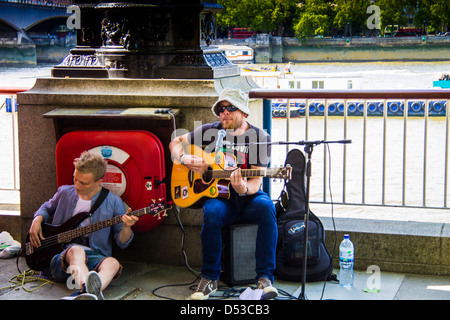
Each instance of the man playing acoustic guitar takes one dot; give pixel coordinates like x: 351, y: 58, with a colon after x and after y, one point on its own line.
x: 246, y: 202
x: 88, y: 260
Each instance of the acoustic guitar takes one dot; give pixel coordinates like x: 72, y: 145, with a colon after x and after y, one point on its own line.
x: 55, y: 236
x: 189, y: 188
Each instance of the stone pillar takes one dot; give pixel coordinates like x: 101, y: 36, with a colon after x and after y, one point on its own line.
x: 132, y: 54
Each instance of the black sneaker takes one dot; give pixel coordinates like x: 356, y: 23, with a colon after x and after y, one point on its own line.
x: 204, y: 289
x: 269, y: 291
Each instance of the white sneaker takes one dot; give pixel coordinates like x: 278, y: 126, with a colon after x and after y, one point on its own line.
x: 269, y: 291
x: 94, y: 285
x: 81, y: 296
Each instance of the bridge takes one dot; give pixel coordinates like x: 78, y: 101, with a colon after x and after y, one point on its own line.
x: 27, y: 17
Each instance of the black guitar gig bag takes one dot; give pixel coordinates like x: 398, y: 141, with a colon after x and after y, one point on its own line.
x: 291, y: 224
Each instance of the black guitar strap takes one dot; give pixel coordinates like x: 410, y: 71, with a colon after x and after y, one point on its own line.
x: 101, y: 197
x: 84, y: 240
x: 103, y: 193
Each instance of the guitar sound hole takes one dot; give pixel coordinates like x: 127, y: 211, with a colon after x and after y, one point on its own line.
x: 207, y: 176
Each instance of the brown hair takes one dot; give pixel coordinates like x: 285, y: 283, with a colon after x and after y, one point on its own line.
x: 91, y: 163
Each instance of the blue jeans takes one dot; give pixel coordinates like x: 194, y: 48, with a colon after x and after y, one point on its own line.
x: 254, y: 209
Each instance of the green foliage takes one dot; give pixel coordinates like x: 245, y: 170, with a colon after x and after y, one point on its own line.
x: 259, y: 15
x: 351, y: 12
x: 439, y: 14
x: 310, y: 18
x: 315, y: 19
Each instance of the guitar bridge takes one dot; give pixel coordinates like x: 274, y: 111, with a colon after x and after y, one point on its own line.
x: 28, y: 248
x: 190, y: 178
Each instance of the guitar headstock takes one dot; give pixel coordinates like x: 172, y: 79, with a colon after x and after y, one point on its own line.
x: 282, y: 173
x: 156, y: 208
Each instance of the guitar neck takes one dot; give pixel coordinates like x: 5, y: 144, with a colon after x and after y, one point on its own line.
x: 69, y: 235
x: 246, y: 173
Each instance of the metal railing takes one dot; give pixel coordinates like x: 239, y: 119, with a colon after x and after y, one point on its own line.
x: 10, y: 155
x: 420, y: 147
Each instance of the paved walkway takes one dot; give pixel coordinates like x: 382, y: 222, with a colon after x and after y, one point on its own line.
x: 141, y: 282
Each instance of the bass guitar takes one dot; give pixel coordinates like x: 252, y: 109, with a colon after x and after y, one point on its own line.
x: 55, y: 236
x: 189, y: 188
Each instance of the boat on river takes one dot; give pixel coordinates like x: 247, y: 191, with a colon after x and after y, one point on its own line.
x: 238, y: 54
x: 443, y: 82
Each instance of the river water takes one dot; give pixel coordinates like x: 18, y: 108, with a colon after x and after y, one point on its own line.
x: 379, y: 76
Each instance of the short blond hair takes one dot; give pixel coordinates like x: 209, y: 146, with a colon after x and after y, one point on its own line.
x: 91, y: 163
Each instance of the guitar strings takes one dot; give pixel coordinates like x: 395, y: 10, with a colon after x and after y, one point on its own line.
x: 46, y: 242
x: 52, y: 240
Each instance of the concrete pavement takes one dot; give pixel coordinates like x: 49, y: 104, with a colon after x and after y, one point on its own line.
x: 141, y: 281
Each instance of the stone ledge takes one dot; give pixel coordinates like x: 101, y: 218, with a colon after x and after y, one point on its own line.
x: 130, y: 92
x: 394, y: 246
x: 397, y: 246
x: 10, y: 221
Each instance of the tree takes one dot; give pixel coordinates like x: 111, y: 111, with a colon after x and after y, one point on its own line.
x: 316, y: 18
x: 309, y: 18
x: 259, y: 15
x: 284, y: 14
x: 439, y: 14
x: 353, y: 14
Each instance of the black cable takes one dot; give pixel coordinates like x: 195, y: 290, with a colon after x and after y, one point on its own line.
x: 227, y: 291
x: 172, y: 285
x: 176, y: 209
x: 17, y: 260
x: 183, y: 236
x: 173, y: 118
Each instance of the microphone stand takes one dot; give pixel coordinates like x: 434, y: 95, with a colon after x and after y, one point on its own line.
x: 308, y: 150
x: 309, y: 145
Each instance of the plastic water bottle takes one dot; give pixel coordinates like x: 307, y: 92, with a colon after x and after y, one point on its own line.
x: 346, y: 260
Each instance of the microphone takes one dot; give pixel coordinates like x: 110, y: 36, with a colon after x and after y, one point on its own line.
x: 219, y: 144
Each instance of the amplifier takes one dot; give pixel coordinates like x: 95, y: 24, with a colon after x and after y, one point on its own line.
x: 239, y: 245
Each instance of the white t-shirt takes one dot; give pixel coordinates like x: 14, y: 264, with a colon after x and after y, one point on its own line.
x: 83, y: 206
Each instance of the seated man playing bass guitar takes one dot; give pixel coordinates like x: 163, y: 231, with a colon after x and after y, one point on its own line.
x: 88, y: 259
x: 244, y: 203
